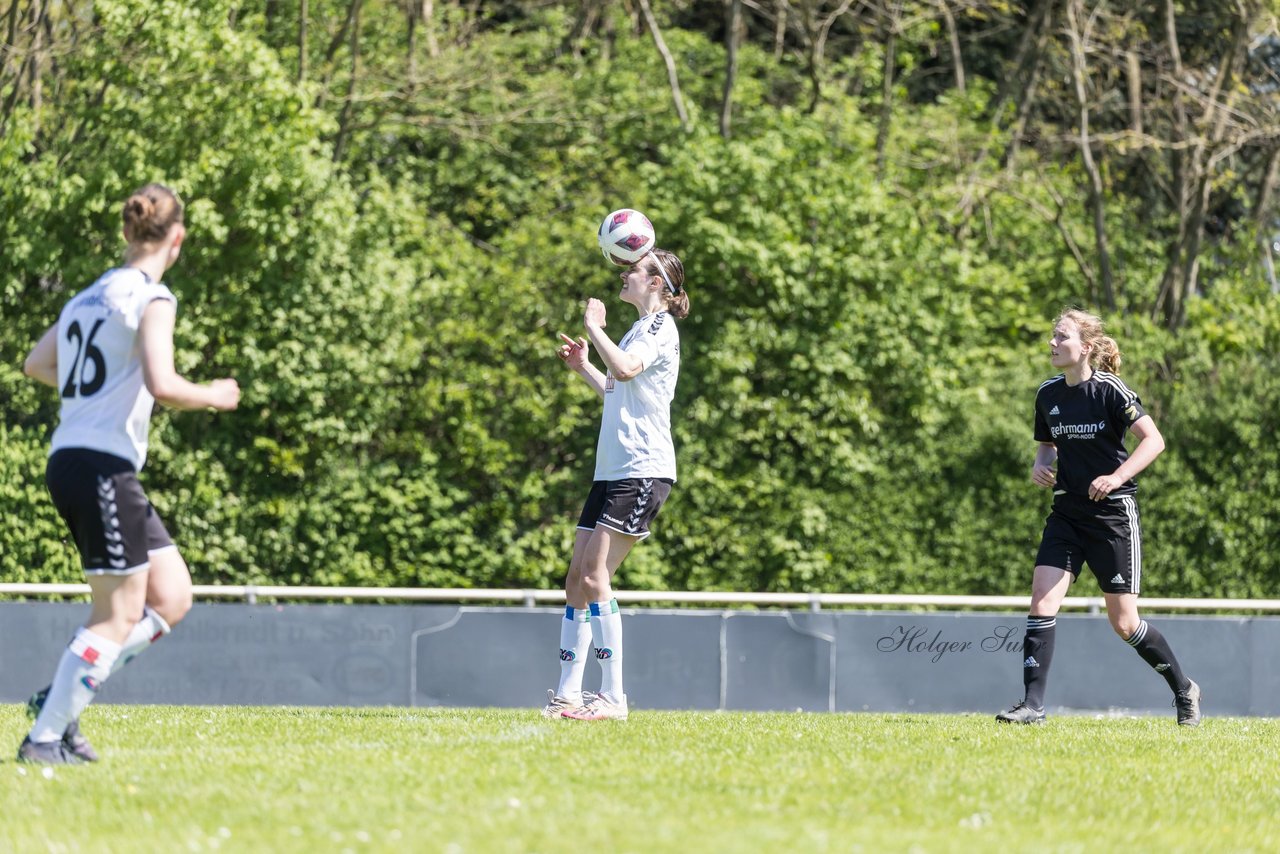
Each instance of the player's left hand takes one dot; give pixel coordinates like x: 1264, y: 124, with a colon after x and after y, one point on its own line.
x: 574, y: 353
x: 1103, y: 486
x: 594, y: 314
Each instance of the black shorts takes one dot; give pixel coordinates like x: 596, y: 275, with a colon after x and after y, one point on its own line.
x: 627, y: 506
x: 114, y: 525
x: 1104, y: 534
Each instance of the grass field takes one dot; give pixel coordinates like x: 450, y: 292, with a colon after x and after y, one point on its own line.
x: 320, y: 780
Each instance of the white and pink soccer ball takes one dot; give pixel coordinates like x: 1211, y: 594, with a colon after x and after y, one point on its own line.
x: 626, y: 236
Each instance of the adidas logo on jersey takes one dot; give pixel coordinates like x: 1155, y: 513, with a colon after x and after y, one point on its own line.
x: 1031, y: 662
x: 1119, y: 579
x: 1053, y: 411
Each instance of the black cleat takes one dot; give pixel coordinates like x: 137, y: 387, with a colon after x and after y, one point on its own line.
x: 72, y: 739
x: 1021, y: 714
x: 46, y: 753
x: 1188, y: 705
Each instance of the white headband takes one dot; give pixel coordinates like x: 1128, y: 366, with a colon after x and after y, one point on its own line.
x: 663, y: 270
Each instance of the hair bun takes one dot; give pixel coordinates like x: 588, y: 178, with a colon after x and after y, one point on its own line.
x: 139, y: 207
x: 150, y: 212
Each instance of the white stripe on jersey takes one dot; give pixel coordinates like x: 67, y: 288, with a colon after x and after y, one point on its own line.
x: 1058, y: 378
x: 1118, y: 384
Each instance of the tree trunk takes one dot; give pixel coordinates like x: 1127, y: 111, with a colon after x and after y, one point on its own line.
x: 953, y: 37
x: 353, y: 12
x: 1262, y: 218
x: 1134, y: 73
x: 35, y: 77
x: 348, y: 105
x: 779, y: 28
x: 302, y: 42
x: 1038, y: 23
x: 1212, y: 123
x: 411, y: 46
x: 812, y: 58
x: 1194, y: 170
x: 12, y: 67
x: 1029, y: 67
x: 11, y: 38
x: 1167, y: 297
x: 427, y: 15
x: 647, y: 11
x: 733, y: 19
x: 270, y: 12
x: 1096, y: 196
x: 886, y: 98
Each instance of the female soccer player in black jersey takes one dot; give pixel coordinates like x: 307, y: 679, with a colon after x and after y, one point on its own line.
x: 110, y: 355
x: 1081, y: 417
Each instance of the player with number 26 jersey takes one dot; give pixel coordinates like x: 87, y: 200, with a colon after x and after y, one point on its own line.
x: 110, y: 358
x: 105, y: 402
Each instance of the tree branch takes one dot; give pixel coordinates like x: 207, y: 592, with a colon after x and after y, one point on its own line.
x: 667, y: 58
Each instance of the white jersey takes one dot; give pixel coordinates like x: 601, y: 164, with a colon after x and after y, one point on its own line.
x: 105, y: 404
x: 635, y: 430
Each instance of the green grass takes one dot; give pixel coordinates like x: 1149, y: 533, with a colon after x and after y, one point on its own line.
x: 320, y: 780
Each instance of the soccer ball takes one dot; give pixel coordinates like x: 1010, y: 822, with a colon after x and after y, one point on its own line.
x: 626, y: 236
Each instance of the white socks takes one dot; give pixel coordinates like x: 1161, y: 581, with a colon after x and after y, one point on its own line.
x: 147, y: 631
x: 87, y: 662
x: 575, y: 643
x: 85, y: 665
x: 606, y: 634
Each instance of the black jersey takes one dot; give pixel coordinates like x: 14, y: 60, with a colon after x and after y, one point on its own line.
x: 1086, y: 423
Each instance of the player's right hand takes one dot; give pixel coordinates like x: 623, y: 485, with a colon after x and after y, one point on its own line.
x: 1043, y: 476
x: 226, y: 394
x: 594, y: 314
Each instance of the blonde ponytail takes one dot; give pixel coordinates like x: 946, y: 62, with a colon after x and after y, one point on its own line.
x: 1104, y: 354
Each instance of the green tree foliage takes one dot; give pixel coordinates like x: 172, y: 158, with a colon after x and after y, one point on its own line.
x: 386, y: 238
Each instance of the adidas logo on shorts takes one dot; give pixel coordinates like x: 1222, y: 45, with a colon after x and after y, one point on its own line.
x: 1119, y: 579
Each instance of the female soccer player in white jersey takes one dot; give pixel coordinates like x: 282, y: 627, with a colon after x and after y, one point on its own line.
x: 1081, y: 418
x: 635, y: 468
x: 111, y: 357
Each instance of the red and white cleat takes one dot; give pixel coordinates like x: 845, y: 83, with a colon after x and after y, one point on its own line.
x: 600, y: 708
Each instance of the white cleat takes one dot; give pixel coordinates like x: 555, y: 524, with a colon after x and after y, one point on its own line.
x: 556, y: 706
x: 600, y: 708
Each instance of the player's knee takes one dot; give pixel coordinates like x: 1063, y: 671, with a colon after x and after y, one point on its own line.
x: 1125, y: 626
x: 592, y: 587
x: 173, y: 606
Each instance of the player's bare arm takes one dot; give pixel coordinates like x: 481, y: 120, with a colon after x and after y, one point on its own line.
x: 42, y: 362
x: 1042, y: 473
x: 621, y: 364
x: 1150, y: 446
x: 574, y: 355
x: 160, y: 376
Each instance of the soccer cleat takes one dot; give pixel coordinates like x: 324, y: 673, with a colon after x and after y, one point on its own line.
x: 1188, y: 705
x: 601, y: 708
x: 72, y: 738
x: 1021, y: 713
x: 46, y: 753
x: 556, y: 706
